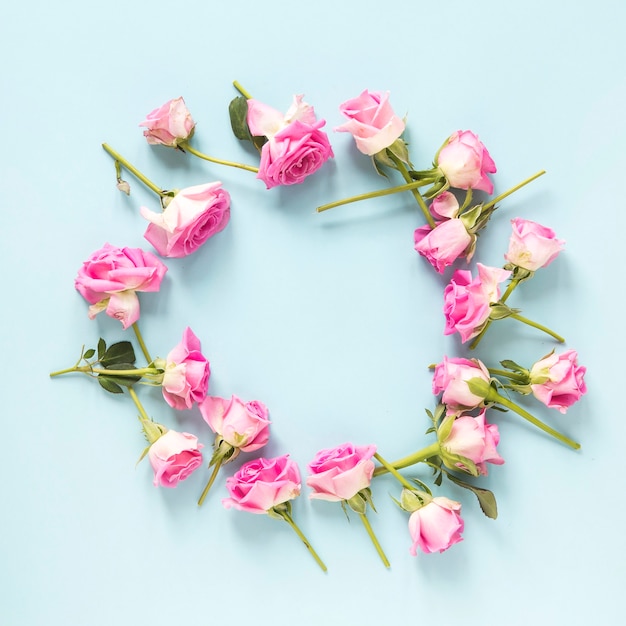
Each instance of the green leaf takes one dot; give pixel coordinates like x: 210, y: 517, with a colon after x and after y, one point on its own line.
x: 89, y: 353
x: 238, y: 112
x: 512, y: 365
x: 108, y: 384
x: 118, y: 353
x: 486, y: 499
x: 102, y: 346
x: 439, y: 479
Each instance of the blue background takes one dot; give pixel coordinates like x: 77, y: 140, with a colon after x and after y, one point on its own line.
x: 330, y: 319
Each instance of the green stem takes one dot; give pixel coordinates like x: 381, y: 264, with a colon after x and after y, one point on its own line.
x: 65, y: 371
x: 138, y: 404
x: 304, y: 540
x: 518, y: 378
x: 133, y: 170
x: 241, y: 90
x: 216, y: 469
x: 377, y: 545
x: 501, y: 197
x: 417, y: 457
x: 186, y: 147
x: 416, y: 194
x: 142, y: 345
x: 545, y: 329
x: 494, y: 396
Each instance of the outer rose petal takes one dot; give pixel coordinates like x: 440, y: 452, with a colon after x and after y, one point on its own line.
x: 174, y: 456
x: 436, y: 526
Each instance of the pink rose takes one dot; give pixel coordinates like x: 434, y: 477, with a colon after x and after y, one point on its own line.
x: 372, y: 122
x: 436, y: 526
x: 296, y: 147
x: 558, y: 381
x: 474, y: 439
x: 193, y: 215
x: 262, y: 484
x: 174, y: 456
x: 467, y: 302
x: 444, y: 206
x: 109, y: 278
x: 340, y: 473
x: 169, y: 125
x: 444, y: 244
x: 450, y: 378
x: 532, y: 245
x: 465, y: 162
x: 242, y: 425
x: 186, y: 376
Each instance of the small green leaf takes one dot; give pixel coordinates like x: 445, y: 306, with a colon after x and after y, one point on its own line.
x: 238, y: 112
x: 89, y: 353
x: 486, y: 499
x: 109, y: 385
x: 118, y: 353
x: 102, y: 346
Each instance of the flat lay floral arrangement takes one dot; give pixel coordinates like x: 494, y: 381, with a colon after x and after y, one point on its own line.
x: 453, y: 198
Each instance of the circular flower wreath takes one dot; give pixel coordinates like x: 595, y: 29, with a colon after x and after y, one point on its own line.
x: 293, y: 146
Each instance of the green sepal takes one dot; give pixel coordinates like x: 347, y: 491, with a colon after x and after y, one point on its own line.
x: 513, y: 366
x: 359, y: 501
x: 117, y: 353
x: 470, y: 217
x: 143, y: 455
x: 445, y: 428
x: 422, y: 485
x: 89, y: 353
x: 458, y: 462
x: 439, y: 479
x: 523, y: 389
x: 519, y: 273
x: 479, y: 387
x: 439, y: 187
x: 486, y: 499
x: 108, y: 384
x: 411, y: 500
x: 499, y: 311
x: 378, y: 162
x: 279, y: 511
x: 223, y: 451
x: 400, y: 150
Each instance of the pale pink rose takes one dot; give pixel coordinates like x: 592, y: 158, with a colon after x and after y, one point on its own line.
x: 474, y: 439
x: 262, y: 484
x: 110, y: 278
x: 444, y: 244
x: 436, y: 526
x: 340, y: 473
x: 450, y: 379
x: 465, y: 162
x: 186, y: 376
x: 174, y: 456
x: 265, y: 121
x: 372, y: 121
x: 243, y: 425
x: 532, y: 245
x: 467, y: 302
x: 192, y: 216
x: 444, y: 206
x: 558, y: 381
x: 169, y: 125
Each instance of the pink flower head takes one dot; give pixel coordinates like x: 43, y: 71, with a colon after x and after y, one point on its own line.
x: 532, y: 245
x: 450, y: 378
x: 465, y: 162
x: 109, y: 278
x: 169, y: 125
x: 262, y: 484
x: 558, y: 381
x: 186, y: 376
x: 474, y: 439
x: 372, y: 122
x: 444, y: 244
x: 467, y: 302
x: 436, y: 526
x: 444, y: 206
x: 174, y: 456
x: 296, y: 147
x: 340, y: 473
x: 242, y: 425
x: 191, y: 217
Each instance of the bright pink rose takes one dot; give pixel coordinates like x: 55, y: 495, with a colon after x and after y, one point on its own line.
x: 109, y: 278
x: 444, y: 244
x: 193, y: 215
x: 450, y: 378
x: 169, y: 125
x: 532, y: 245
x: 340, y: 473
x: 474, y: 439
x: 372, y: 122
x: 444, y: 206
x: 558, y: 381
x: 174, y: 456
x: 467, y: 302
x: 243, y: 425
x: 262, y: 484
x: 186, y: 376
x: 436, y: 526
x: 465, y: 162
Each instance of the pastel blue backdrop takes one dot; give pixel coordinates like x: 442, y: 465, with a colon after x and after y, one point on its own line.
x: 330, y: 319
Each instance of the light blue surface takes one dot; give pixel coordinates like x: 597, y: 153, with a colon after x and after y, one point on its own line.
x: 329, y: 319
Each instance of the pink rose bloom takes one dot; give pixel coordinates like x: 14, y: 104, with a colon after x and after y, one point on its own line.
x: 474, y: 439
x: 296, y: 147
x: 174, y: 456
x: 444, y: 244
x: 193, y: 215
x: 262, y: 484
x: 340, y: 473
x: 436, y: 526
x: 558, y: 381
x: 450, y: 378
x: 109, y: 278
x: 186, y: 376
x: 465, y: 162
x: 244, y: 425
x: 372, y: 122
x: 169, y: 125
x: 532, y: 245
x: 467, y: 302
x: 444, y: 206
